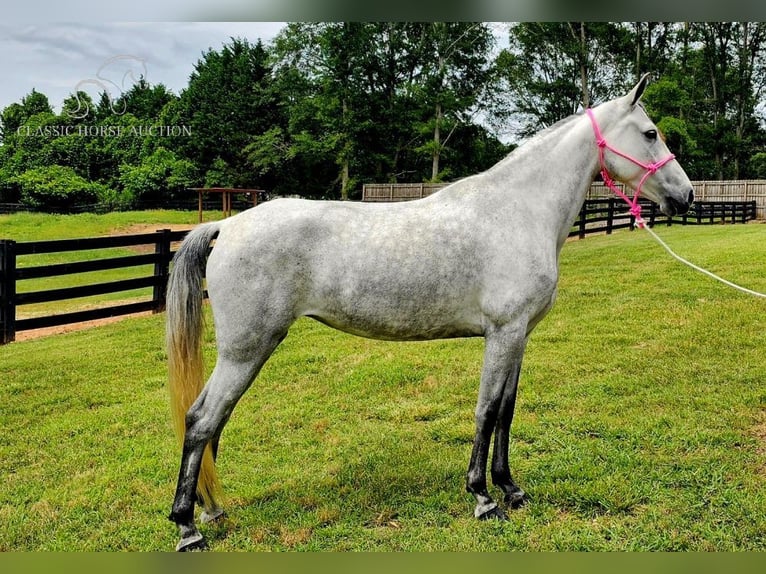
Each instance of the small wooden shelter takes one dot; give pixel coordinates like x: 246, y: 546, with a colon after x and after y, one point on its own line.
x: 226, y: 197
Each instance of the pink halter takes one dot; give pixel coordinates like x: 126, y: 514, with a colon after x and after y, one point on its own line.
x: 635, y: 208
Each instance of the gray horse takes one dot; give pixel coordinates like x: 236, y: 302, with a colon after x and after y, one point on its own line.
x: 477, y: 259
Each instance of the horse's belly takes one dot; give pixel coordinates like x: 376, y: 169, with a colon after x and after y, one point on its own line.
x: 389, y: 332
x: 408, y: 322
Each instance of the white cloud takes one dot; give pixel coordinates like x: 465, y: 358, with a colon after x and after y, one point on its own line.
x: 54, y: 58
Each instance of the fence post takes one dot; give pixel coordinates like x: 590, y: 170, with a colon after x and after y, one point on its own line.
x: 652, y: 214
x: 610, y: 215
x: 7, y: 291
x: 161, y: 269
x: 583, y: 212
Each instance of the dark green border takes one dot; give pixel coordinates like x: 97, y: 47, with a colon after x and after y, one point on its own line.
x: 383, y: 563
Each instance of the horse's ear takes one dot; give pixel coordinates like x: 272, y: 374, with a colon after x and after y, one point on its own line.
x: 638, y: 90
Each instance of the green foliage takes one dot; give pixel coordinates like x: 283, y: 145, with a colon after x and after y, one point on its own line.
x: 553, y: 68
x: 160, y: 174
x: 380, y: 100
x: 676, y: 133
x: 35, y: 103
x: 144, y: 100
x: 57, y: 187
x: 220, y: 174
x: 706, y: 77
x: 758, y: 165
x: 10, y: 119
x: 228, y: 100
x: 267, y: 151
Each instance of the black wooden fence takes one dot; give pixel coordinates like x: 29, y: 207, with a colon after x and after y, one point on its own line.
x: 606, y: 215
x: 10, y: 274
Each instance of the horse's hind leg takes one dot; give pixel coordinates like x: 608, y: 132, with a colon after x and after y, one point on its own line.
x: 211, y: 514
x: 204, y: 423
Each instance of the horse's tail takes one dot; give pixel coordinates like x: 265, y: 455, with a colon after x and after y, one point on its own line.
x: 184, y: 325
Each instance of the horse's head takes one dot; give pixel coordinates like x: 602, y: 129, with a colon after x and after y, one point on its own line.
x: 635, y: 154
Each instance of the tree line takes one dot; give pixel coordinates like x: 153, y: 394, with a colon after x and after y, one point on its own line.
x: 326, y: 107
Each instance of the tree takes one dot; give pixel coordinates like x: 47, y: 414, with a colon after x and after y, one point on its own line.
x: 143, y: 100
x: 159, y: 175
x: 654, y: 44
x: 725, y: 72
x: 57, y: 187
x: 26, y: 147
x: 328, y: 60
x: 552, y: 69
x: 76, y: 108
x: 227, y: 101
x: 377, y: 100
x: 14, y: 116
x: 11, y: 118
x: 750, y: 60
x: 454, y: 72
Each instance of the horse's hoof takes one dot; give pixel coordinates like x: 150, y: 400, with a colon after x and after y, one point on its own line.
x: 194, y: 543
x: 516, y: 499
x: 208, y: 517
x: 495, y: 513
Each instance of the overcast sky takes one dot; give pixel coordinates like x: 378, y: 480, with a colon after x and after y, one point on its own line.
x: 55, y: 58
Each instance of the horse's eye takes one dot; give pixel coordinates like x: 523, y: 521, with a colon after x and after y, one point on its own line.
x: 650, y: 134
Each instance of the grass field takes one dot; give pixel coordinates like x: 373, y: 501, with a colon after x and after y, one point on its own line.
x: 640, y: 425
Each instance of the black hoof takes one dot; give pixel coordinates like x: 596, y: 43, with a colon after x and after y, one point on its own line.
x: 192, y: 544
x: 516, y: 499
x: 495, y: 513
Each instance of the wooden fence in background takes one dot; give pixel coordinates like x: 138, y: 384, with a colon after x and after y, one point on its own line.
x: 608, y: 214
x: 715, y: 191
x: 11, y: 273
x: 718, y: 191
x: 377, y: 192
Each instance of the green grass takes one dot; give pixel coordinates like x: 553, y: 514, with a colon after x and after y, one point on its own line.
x: 25, y: 226
x: 640, y: 424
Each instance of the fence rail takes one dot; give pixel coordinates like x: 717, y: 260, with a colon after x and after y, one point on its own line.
x: 606, y: 215
x: 10, y: 274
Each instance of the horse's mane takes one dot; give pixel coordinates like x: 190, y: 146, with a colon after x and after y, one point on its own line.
x: 545, y: 132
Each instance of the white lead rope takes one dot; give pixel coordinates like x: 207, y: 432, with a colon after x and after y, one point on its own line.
x: 700, y: 269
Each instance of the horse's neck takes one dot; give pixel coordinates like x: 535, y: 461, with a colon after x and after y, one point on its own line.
x: 554, y: 172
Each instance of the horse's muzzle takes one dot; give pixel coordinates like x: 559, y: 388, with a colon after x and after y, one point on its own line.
x: 676, y: 207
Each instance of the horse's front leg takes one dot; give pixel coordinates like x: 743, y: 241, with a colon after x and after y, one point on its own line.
x: 503, y: 352
x: 513, y: 496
